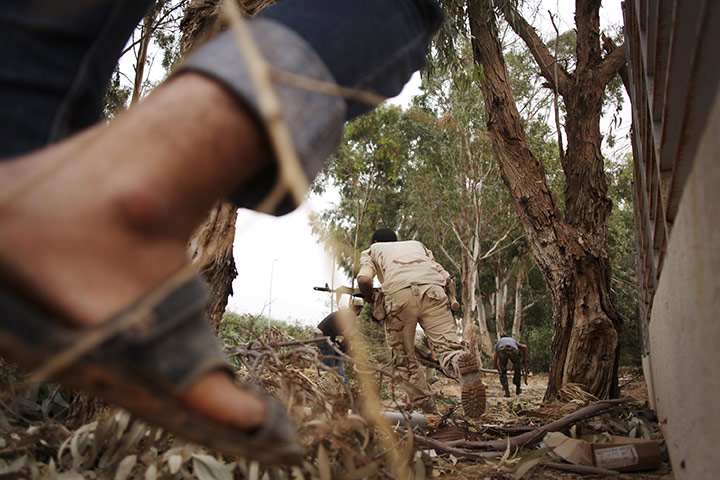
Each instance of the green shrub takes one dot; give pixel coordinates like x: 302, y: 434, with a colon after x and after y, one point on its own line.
x: 240, y: 329
x: 538, y: 340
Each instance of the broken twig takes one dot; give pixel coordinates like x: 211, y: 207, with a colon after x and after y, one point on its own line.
x: 530, y: 438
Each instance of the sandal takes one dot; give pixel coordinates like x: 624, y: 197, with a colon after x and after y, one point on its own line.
x: 145, y: 365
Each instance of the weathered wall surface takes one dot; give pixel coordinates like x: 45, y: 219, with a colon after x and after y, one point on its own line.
x: 685, y: 322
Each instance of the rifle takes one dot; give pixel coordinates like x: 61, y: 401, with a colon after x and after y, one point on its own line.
x: 378, y: 311
x: 340, y: 291
x: 355, y: 292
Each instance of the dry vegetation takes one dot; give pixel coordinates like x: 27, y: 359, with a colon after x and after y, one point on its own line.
x: 43, y: 436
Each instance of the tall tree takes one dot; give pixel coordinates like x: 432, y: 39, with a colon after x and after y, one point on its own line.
x: 429, y: 172
x: 570, y: 247
x: 466, y: 220
x: 470, y: 217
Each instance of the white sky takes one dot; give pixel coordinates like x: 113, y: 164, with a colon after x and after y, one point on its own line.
x: 283, y: 255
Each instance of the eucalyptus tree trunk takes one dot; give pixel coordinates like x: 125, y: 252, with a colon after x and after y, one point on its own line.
x: 141, y: 57
x: 500, y: 297
x: 517, y: 317
x: 468, y: 299
x: 486, y: 343
x: 211, y: 245
x: 570, y: 249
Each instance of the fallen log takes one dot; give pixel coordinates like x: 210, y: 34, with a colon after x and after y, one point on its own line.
x: 534, y: 436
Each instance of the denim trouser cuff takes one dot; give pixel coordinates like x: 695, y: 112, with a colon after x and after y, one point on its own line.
x: 314, y: 120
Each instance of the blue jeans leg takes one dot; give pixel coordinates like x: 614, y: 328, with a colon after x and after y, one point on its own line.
x: 369, y: 44
x: 56, y: 59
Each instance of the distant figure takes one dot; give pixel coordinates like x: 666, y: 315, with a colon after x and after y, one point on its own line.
x: 332, y: 327
x: 507, y: 348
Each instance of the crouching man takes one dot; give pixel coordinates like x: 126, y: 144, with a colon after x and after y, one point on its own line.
x: 507, y: 349
x: 413, y: 285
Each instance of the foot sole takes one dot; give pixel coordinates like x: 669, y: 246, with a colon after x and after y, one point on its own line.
x: 473, y: 390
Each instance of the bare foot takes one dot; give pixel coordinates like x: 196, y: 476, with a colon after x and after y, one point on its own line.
x: 112, y: 223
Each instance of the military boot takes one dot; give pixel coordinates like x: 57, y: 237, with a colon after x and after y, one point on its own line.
x: 518, y: 390
x: 472, y: 386
x: 504, y: 383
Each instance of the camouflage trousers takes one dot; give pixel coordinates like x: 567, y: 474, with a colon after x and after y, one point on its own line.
x: 426, y: 305
x: 509, y: 354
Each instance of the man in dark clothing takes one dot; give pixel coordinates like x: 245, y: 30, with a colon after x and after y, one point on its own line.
x: 507, y: 348
x: 332, y: 327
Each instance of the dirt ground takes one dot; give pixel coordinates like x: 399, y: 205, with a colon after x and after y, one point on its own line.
x: 33, y: 446
x: 527, y: 410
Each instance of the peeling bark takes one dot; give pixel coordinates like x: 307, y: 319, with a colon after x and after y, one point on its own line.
x: 486, y: 342
x: 517, y: 317
x: 211, y: 250
x: 571, y: 251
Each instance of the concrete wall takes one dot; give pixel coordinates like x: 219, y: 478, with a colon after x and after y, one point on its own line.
x: 685, y: 322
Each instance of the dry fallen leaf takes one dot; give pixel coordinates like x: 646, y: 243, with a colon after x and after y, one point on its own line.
x: 125, y: 467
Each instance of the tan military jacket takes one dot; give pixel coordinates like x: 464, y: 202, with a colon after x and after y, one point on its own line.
x: 398, y: 265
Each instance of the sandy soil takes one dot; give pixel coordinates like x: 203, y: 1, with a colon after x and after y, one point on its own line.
x: 524, y: 410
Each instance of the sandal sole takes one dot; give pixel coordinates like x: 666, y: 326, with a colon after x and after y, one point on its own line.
x: 32, y: 339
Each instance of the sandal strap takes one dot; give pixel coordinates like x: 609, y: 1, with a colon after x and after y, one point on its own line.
x: 169, y: 350
x: 174, y: 347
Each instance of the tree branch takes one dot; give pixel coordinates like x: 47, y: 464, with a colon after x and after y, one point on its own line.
x: 610, y: 66
x: 610, y: 48
x: 530, y: 438
x: 494, y: 249
x: 164, y: 19
x: 555, y: 94
x: 444, y: 447
x: 555, y: 74
x: 455, y: 264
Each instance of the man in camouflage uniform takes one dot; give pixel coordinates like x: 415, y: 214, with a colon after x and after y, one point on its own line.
x: 413, y: 285
x: 426, y: 356
x: 508, y: 349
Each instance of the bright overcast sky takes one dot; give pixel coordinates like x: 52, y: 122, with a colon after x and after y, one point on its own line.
x: 279, y: 258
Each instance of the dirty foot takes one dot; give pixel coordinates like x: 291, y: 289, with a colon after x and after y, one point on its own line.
x: 112, y: 221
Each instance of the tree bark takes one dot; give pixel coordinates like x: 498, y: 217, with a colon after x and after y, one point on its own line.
x: 211, y: 250
x: 517, y: 317
x: 571, y: 252
x: 141, y: 57
x: 486, y: 342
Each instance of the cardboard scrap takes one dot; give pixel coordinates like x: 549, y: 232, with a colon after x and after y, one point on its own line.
x: 572, y: 450
x: 613, y: 453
